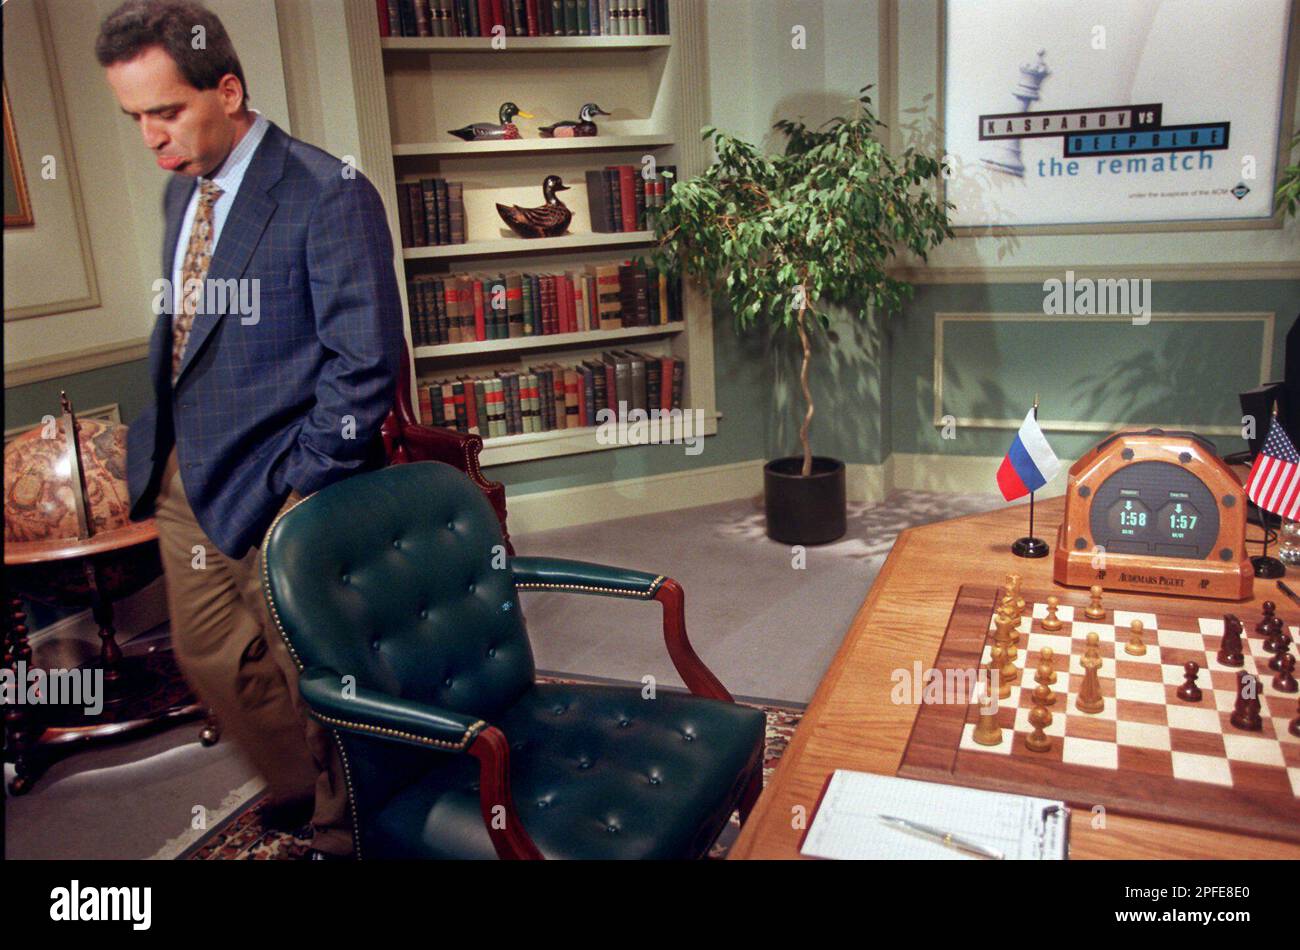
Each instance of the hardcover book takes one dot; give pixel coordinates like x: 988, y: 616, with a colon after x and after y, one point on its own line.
x: 598, y: 203
x: 419, y: 235
x: 515, y: 305
x: 608, y: 291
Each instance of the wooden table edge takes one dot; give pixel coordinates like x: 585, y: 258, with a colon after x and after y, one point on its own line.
x: 1125, y: 826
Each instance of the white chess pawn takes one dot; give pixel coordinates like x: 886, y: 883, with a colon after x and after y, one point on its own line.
x: 1135, y: 646
x: 1051, y: 622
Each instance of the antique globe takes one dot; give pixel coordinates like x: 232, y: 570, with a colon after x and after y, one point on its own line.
x: 68, y: 540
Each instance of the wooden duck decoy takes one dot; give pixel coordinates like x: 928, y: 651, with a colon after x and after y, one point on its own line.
x: 548, y: 220
x: 494, y: 131
x: 586, y: 124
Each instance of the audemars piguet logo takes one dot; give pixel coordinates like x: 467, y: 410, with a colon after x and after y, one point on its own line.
x: 1154, y: 580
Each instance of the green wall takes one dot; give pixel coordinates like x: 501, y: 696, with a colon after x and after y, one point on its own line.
x: 126, y: 384
x: 873, y: 383
x: 1184, y: 373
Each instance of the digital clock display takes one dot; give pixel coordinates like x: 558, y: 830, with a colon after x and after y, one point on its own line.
x: 1157, y: 509
x: 1178, y: 520
x: 1129, y: 518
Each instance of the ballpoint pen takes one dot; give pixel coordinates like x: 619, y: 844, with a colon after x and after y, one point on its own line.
x: 945, y: 838
x: 1288, y: 591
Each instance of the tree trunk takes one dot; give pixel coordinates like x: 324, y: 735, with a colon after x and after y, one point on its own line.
x: 807, y: 393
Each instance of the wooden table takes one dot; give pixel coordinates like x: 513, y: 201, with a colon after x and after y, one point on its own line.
x: 852, y: 724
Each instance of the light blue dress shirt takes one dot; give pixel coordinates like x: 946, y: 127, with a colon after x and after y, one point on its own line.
x: 227, y: 178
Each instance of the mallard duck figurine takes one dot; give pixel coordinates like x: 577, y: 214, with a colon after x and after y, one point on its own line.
x: 494, y: 131
x: 549, y: 220
x: 586, y: 124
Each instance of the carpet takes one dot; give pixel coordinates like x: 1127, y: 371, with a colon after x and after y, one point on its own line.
x: 244, y: 836
x: 767, y: 623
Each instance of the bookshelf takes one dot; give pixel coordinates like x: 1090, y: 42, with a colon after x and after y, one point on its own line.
x: 524, y: 146
x: 411, y: 90
x: 515, y: 246
x: 547, y: 341
x: 520, y: 44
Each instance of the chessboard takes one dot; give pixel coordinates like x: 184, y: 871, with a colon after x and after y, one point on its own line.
x: 1147, y: 753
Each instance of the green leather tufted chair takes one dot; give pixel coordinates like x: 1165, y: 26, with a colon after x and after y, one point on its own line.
x: 401, y: 608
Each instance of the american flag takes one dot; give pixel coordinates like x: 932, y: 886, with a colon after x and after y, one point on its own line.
x: 1275, y: 477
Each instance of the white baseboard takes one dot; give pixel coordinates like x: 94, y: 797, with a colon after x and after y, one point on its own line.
x: 864, y: 483
x: 587, y: 504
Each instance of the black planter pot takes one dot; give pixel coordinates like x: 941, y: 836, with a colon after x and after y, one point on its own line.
x: 804, y: 509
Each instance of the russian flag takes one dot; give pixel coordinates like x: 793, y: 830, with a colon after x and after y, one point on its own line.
x: 1030, y: 463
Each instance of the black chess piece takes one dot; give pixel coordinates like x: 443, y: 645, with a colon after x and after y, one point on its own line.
x: 1265, y: 625
x: 1273, y: 641
x: 1189, y: 691
x: 1283, y: 650
x: 1245, y: 712
x: 1285, y: 681
x: 1230, y: 648
x: 1295, y: 723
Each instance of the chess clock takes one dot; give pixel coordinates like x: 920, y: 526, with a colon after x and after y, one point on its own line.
x: 1168, y: 514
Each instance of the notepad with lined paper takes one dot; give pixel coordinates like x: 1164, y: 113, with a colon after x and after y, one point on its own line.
x: 848, y: 822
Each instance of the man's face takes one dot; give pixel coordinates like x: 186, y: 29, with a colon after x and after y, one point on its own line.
x: 190, y: 131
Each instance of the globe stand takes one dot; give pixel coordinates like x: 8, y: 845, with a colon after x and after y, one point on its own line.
x: 142, y: 687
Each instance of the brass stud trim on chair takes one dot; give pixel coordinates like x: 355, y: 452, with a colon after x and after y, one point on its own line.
x: 470, y: 732
x: 266, y: 587
x: 338, y: 740
x: 646, y: 594
x: 347, y: 780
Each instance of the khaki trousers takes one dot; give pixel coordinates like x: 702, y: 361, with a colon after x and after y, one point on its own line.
x: 232, y: 655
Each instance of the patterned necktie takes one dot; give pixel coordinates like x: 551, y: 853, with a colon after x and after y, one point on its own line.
x: 198, y: 255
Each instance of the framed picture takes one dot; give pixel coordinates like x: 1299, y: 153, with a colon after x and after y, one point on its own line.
x: 18, y: 206
x: 1116, y: 113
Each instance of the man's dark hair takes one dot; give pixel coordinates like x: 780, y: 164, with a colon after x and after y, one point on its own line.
x: 139, y: 24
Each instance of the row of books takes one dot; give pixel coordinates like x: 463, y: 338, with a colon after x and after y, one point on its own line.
x: 431, y: 211
x: 465, y: 308
x: 619, y: 198
x: 550, y: 396
x: 523, y: 17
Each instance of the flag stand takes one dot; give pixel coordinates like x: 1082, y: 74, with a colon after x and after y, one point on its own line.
x: 1030, y: 546
x: 1266, y: 566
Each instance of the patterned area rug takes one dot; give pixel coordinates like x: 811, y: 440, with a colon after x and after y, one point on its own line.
x: 243, y: 836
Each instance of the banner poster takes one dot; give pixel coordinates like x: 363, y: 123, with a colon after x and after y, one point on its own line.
x: 1113, y: 111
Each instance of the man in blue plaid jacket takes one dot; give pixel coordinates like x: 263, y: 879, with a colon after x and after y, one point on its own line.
x: 274, y: 360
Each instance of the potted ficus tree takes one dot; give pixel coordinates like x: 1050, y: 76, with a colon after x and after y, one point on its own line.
x: 783, y: 237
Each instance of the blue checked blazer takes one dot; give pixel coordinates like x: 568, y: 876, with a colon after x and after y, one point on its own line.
x: 292, y: 396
